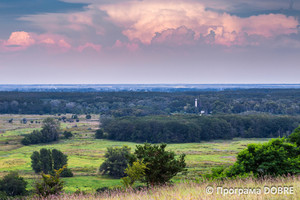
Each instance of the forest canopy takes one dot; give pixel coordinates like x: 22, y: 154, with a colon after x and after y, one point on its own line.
x: 118, y: 104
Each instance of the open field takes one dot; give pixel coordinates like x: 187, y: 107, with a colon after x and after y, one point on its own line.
x: 86, y: 153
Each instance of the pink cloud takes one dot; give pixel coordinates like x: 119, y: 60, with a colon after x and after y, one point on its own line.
x: 125, y: 45
x: 89, y: 46
x: 17, y: 41
x: 175, y: 37
x: 142, y: 20
x: 63, y: 44
x: 22, y: 40
x: 48, y: 41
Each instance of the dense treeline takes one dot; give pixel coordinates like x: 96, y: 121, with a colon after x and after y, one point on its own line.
x: 184, y: 128
x: 118, y: 104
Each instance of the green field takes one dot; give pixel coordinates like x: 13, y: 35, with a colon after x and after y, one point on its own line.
x: 85, y: 154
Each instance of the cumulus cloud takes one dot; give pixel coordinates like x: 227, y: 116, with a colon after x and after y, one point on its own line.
x: 17, y: 41
x: 175, y: 37
x: 131, y: 24
x: 89, y: 45
x: 22, y: 40
x: 142, y: 20
x: 131, y: 46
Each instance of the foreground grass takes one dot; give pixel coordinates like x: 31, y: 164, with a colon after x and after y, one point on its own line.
x: 191, y: 191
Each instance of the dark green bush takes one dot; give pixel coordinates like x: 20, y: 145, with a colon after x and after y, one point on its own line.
x: 161, y: 164
x: 275, y: 158
x: 49, y: 133
x: 67, y: 134
x: 13, y: 185
x: 295, y: 136
x: 116, y: 161
x: 67, y: 173
x: 99, y: 134
x: 47, y: 161
x: 88, y: 116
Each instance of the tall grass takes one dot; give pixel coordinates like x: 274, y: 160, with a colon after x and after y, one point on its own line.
x: 192, y: 190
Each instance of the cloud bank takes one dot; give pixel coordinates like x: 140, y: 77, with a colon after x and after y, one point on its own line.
x: 142, y: 20
x: 128, y: 41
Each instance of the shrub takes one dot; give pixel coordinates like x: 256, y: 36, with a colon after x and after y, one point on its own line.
x: 50, y: 184
x: 33, y: 138
x: 135, y: 172
x: 13, y: 185
x: 275, y: 158
x: 161, y: 164
x: 74, y: 117
x: 67, y: 134
x: 295, y: 136
x: 49, y: 133
x: 88, y: 116
x: 116, y: 161
x: 99, y: 134
x: 67, y: 173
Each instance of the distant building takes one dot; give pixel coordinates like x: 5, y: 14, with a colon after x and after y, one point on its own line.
x: 196, y: 103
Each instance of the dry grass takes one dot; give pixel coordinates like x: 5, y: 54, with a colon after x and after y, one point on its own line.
x: 191, y: 191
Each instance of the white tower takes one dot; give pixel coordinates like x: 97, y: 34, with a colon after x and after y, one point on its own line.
x: 196, y: 103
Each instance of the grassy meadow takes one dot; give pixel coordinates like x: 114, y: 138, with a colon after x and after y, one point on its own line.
x: 197, y: 191
x: 85, y: 154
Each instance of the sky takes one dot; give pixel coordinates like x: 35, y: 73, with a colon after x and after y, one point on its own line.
x: 149, y: 41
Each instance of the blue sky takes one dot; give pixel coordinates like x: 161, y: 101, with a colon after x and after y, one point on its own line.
x: 149, y: 41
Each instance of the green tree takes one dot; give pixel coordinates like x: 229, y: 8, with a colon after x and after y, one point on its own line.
x: 36, y: 162
x: 50, y: 184
x: 277, y: 157
x: 161, y: 164
x: 99, y: 134
x: 116, y: 161
x: 59, y: 159
x: 88, y: 116
x: 74, y: 117
x: 49, y: 133
x: 12, y: 184
x: 50, y: 129
x: 135, y: 172
x: 67, y: 134
x: 47, y: 161
x: 295, y: 136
